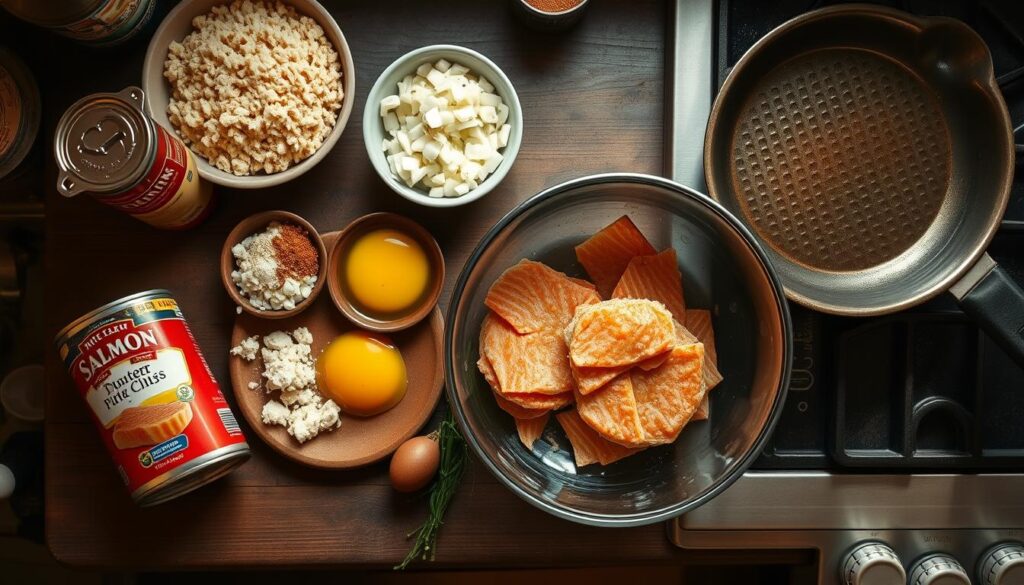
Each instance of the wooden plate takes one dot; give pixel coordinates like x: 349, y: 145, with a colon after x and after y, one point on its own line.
x: 359, y: 441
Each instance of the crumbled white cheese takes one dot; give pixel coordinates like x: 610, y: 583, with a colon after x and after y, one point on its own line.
x: 302, y: 335
x: 306, y: 422
x: 248, y: 348
x: 288, y: 368
x: 275, y: 413
x: 299, y: 397
x: 278, y: 340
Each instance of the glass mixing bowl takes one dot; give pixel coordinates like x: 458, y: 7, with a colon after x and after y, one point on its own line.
x: 723, y: 269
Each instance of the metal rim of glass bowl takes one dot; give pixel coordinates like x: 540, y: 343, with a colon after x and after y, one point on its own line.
x: 664, y: 513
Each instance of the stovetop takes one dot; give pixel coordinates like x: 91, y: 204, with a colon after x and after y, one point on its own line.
x: 919, y: 390
x: 901, y: 434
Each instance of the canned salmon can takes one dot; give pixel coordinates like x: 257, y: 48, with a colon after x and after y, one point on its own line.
x: 106, y: 146
x: 162, y: 416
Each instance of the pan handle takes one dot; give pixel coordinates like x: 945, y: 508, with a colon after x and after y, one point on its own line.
x: 991, y: 297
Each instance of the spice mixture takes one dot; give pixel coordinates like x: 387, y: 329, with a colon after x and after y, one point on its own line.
x: 276, y: 268
x: 554, y: 5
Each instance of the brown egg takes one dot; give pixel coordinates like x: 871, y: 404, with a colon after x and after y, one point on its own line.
x: 414, y: 464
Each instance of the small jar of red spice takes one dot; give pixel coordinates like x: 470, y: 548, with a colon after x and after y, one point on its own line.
x: 549, y: 15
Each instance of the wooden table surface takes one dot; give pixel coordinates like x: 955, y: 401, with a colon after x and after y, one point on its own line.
x: 592, y: 100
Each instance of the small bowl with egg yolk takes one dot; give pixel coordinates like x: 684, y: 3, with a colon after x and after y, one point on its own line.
x: 385, y: 272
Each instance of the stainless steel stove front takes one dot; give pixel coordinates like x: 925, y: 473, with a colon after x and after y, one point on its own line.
x: 962, y: 516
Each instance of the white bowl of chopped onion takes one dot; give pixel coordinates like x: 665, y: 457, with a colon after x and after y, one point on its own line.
x: 442, y: 125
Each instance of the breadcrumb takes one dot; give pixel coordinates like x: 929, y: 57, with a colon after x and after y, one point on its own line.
x: 256, y: 86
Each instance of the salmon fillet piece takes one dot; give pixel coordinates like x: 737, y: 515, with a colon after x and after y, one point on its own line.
x: 619, y: 332
x: 656, y: 278
x: 522, y: 413
x: 583, y: 283
x: 531, y: 429
x: 683, y: 335
x: 503, y: 403
x: 667, y: 397
x: 533, y: 297
x: 606, y: 254
x: 588, y: 447
x: 703, y: 410
x: 591, y: 379
x: 537, y: 363
x: 543, y: 402
x: 698, y: 322
x: 612, y: 412
x: 654, y: 362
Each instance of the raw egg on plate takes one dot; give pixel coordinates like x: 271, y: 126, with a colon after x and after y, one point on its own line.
x: 387, y: 272
x: 363, y: 372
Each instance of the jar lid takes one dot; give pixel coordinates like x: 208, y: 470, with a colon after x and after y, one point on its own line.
x: 103, y: 143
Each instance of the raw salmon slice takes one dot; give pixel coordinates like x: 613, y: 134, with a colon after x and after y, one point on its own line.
x: 590, y: 379
x: 484, y: 365
x: 619, y: 332
x: 683, y: 335
x: 522, y: 413
x: 612, y: 412
x: 531, y: 429
x: 606, y: 254
x: 654, y: 362
x: 525, y: 364
x: 698, y: 321
x: 668, y: 396
x: 656, y: 278
x: 532, y: 297
x: 703, y: 410
x: 503, y: 403
x: 543, y: 402
x: 588, y: 447
x: 583, y: 283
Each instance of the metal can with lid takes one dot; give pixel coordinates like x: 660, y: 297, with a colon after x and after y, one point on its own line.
x: 161, y: 414
x: 107, y: 146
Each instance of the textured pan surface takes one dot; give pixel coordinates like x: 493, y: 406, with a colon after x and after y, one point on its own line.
x: 841, y: 158
x: 870, y: 152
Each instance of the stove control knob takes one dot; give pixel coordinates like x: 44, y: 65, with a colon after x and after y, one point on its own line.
x: 1003, y: 564
x: 938, y: 569
x: 872, y: 563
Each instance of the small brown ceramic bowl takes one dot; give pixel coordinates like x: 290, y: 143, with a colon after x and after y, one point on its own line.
x: 255, y: 224
x: 348, y: 236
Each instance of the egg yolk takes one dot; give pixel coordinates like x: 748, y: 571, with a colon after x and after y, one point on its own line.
x: 364, y: 373
x: 386, y: 272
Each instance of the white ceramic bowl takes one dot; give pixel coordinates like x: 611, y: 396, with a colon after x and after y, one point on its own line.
x: 387, y: 84
x: 178, y: 24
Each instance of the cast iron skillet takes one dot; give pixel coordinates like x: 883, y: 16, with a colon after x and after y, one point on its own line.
x: 871, y: 153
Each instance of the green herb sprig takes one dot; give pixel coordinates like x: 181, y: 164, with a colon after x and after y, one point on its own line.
x: 453, y: 464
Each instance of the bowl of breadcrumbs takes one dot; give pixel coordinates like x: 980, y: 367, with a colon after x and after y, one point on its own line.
x: 259, y: 90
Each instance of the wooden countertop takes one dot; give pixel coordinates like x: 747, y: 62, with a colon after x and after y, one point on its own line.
x: 592, y: 100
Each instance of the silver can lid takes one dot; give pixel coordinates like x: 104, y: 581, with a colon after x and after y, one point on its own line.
x: 104, y: 143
